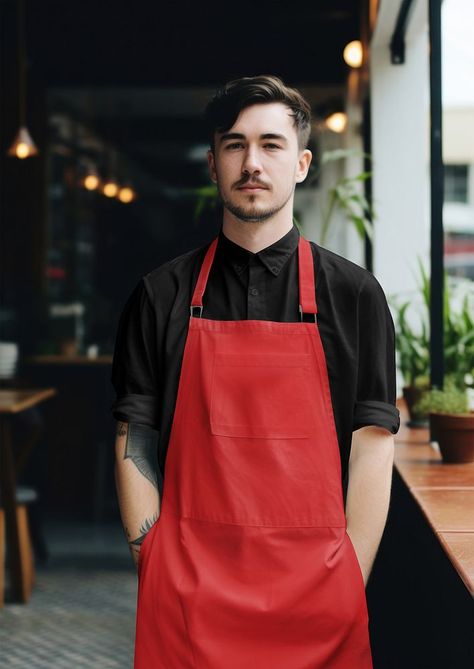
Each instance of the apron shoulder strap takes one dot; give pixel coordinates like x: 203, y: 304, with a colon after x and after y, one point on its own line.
x: 203, y: 275
x: 307, y: 283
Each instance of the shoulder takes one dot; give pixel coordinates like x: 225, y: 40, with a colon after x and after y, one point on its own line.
x: 165, y: 280
x: 340, y: 273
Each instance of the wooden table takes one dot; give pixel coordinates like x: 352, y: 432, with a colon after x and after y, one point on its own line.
x: 13, y: 401
x: 62, y: 359
x: 444, y: 493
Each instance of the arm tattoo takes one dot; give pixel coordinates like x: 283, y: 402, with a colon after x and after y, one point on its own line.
x: 121, y: 429
x: 141, y: 448
x: 144, y: 529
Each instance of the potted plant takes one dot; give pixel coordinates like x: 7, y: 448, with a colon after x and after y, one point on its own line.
x: 413, y: 347
x: 451, y: 419
x: 413, y: 361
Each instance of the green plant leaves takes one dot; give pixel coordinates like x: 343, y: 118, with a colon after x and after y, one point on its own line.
x: 414, y: 347
x: 451, y: 399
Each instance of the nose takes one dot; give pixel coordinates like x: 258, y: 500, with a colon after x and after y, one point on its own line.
x: 251, y: 162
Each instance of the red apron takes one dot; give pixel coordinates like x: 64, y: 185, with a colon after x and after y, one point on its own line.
x: 249, y: 563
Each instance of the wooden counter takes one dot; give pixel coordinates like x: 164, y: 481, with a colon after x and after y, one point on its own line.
x: 58, y: 359
x: 444, y: 493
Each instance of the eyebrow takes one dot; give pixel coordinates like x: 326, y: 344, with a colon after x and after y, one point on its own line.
x: 268, y: 135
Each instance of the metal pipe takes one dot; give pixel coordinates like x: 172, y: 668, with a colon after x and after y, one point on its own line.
x: 437, y: 198
x: 397, y: 43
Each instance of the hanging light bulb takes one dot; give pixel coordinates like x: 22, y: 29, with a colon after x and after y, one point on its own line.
x: 91, y: 182
x: 91, y: 179
x: 126, y: 194
x: 110, y: 188
x: 111, y: 185
x: 23, y: 146
x: 353, y: 54
x: 337, y: 122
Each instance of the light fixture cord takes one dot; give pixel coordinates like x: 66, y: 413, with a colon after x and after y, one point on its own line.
x: 22, y: 62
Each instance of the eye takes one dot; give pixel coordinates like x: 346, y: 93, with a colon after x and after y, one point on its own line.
x: 272, y: 146
x: 233, y: 145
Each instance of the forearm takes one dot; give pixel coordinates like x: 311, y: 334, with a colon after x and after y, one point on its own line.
x: 368, y: 492
x: 136, y: 481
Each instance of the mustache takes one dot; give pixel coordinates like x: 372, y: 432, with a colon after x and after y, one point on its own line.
x: 250, y: 182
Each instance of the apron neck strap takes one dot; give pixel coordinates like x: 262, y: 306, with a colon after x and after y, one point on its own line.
x: 201, y: 284
x: 306, y: 281
x: 307, y: 284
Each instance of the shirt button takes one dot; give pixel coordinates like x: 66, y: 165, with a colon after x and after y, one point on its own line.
x: 253, y: 291
x: 275, y: 269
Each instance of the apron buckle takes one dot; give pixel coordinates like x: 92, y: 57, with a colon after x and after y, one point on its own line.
x: 196, y: 306
x: 302, y: 315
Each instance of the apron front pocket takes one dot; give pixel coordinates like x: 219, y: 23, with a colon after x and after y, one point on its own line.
x: 263, y: 396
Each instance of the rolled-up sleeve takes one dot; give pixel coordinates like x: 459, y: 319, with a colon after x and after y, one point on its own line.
x: 376, y: 378
x: 134, y: 367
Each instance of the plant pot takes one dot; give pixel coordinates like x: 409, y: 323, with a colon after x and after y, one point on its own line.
x: 411, y: 395
x: 455, y: 435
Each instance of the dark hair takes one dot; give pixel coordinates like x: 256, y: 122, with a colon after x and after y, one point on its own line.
x: 223, y: 109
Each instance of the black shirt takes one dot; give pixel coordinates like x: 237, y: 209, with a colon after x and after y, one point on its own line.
x: 355, y: 323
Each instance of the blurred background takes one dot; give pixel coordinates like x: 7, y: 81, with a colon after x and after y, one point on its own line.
x: 104, y: 177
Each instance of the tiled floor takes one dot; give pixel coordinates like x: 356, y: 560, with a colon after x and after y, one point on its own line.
x: 82, y: 610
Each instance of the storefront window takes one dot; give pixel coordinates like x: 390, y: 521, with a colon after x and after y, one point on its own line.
x: 458, y: 137
x: 456, y: 180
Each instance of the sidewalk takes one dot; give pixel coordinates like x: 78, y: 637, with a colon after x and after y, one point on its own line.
x: 82, y: 609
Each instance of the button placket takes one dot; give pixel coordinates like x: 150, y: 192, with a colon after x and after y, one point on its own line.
x: 255, y: 294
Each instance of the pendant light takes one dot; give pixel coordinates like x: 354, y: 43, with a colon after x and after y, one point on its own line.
x: 127, y: 194
x: 91, y: 178
x: 336, y: 122
x: 23, y: 145
x: 111, y: 187
x: 353, y: 53
x: 91, y: 181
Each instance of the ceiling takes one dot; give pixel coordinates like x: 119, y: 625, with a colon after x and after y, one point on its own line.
x: 140, y: 74
x: 188, y: 43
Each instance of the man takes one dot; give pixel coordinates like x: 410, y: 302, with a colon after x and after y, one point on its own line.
x: 260, y: 369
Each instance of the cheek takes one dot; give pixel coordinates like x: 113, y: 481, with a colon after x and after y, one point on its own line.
x: 227, y: 170
x: 283, y: 173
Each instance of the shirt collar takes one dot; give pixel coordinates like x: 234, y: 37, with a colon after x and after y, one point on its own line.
x: 273, y: 257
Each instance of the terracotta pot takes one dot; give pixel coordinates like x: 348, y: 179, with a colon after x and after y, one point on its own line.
x: 411, y: 395
x: 455, y: 435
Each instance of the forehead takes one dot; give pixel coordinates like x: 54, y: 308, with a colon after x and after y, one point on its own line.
x: 265, y: 118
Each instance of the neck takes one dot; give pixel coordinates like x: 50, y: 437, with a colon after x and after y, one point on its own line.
x: 255, y: 236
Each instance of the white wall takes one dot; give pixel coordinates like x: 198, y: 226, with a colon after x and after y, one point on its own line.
x: 458, y: 134
x: 401, y: 157
x: 400, y: 141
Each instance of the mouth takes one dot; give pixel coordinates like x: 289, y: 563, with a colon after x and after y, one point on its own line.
x: 251, y: 189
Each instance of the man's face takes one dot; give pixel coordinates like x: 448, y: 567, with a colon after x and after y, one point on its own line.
x: 257, y: 162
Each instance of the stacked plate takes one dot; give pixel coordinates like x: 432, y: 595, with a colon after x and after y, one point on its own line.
x: 8, y: 359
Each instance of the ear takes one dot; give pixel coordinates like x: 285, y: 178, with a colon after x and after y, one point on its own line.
x: 212, y: 166
x: 304, y: 162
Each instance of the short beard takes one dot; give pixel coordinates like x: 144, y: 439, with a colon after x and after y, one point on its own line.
x: 248, y: 216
